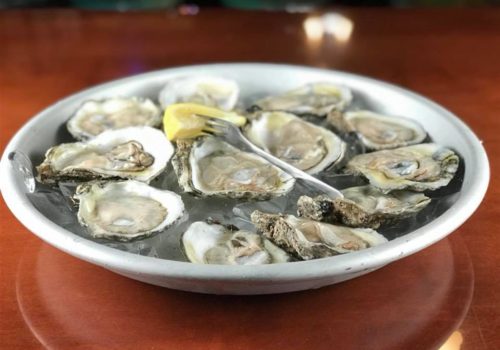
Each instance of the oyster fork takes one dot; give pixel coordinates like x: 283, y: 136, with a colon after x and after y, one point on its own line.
x: 233, y: 135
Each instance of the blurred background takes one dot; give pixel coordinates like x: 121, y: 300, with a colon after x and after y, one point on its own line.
x: 290, y: 5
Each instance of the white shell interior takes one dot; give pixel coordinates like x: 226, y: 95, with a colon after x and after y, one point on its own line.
x: 297, y: 100
x: 223, y: 93
x: 89, y: 202
x: 152, y: 140
x: 208, y: 145
x: 96, y: 109
x: 259, y: 132
x: 419, y: 131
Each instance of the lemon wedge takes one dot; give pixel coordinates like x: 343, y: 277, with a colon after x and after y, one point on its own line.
x: 181, y: 120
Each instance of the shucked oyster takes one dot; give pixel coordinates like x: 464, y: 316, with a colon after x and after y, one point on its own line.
x: 308, y: 239
x: 210, y: 243
x: 317, y: 99
x: 362, y: 206
x: 139, y: 153
x: 377, y: 131
x: 209, y: 166
x: 206, y: 90
x: 304, y: 145
x: 422, y: 167
x: 126, y: 210
x: 94, y: 117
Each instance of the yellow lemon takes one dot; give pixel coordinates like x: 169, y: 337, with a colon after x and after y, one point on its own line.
x: 182, y: 121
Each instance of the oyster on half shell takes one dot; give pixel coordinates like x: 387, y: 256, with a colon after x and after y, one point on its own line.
x: 304, y: 145
x: 205, y: 90
x: 317, y: 99
x: 126, y: 210
x: 139, y: 153
x: 211, y: 243
x: 377, y: 131
x: 362, y: 206
x: 421, y: 167
x: 308, y: 239
x: 94, y: 117
x: 209, y: 166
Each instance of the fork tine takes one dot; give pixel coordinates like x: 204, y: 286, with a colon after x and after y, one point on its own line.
x: 212, y: 131
x: 207, y: 118
x: 213, y: 120
x: 214, y: 124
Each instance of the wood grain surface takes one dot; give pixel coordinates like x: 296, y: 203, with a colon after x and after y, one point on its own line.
x: 447, y: 294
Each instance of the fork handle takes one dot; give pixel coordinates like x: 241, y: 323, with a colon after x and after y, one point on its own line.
x: 295, y: 172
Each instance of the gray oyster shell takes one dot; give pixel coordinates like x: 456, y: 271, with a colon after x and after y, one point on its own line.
x: 377, y: 131
x: 207, y: 90
x: 317, y: 99
x: 96, y: 116
x: 139, y: 153
x: 308, y: 239
x: 126, y: 210
x: 362, y: 206
x: 209, y: 166
x: 306, y: 146
x: 212, y: 243
x: 422, y: 167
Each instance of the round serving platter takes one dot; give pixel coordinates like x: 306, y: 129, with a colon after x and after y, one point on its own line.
x: 255, y: 80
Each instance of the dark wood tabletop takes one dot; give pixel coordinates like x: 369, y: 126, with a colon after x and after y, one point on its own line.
x: 446, y: 296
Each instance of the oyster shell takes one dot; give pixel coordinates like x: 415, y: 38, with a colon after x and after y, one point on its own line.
x: 317, y: 99
x: 210, y: 243
x: 206, y: 90
x: 126, y: 210
x: 139, y: 153
x: 309, y: 239
x: 422, y: 167
x: 362, y: 206
x: 209, y: 166
x: 377, y: 131
x: 304, y: 145
x: 94, y: 117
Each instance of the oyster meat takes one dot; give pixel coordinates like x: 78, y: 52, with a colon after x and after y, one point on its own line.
x: 422, y: 167
x: 209, y: 166
x: 308, y: 239
x: 205, y: 90
x: 317, y: 99
x: 126, y: 210
x: 93, y: 117
x: 139, y: 153
x: 377, y: 131
x: 211, y: 243
x: 304, y: 145
x: 362, y: 206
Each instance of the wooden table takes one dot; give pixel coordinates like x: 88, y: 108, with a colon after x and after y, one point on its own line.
x: 449, y: 292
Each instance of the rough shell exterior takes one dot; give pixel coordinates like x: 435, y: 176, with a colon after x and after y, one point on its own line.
x: 283, y: 231
x: 351, y: 213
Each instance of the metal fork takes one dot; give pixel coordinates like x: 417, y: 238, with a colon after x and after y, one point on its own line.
x: 233, y: 135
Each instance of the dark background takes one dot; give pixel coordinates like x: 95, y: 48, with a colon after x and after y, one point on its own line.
x: 294, y: 5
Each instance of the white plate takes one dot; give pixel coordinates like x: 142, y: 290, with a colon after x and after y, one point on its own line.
x: 41, y: 132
